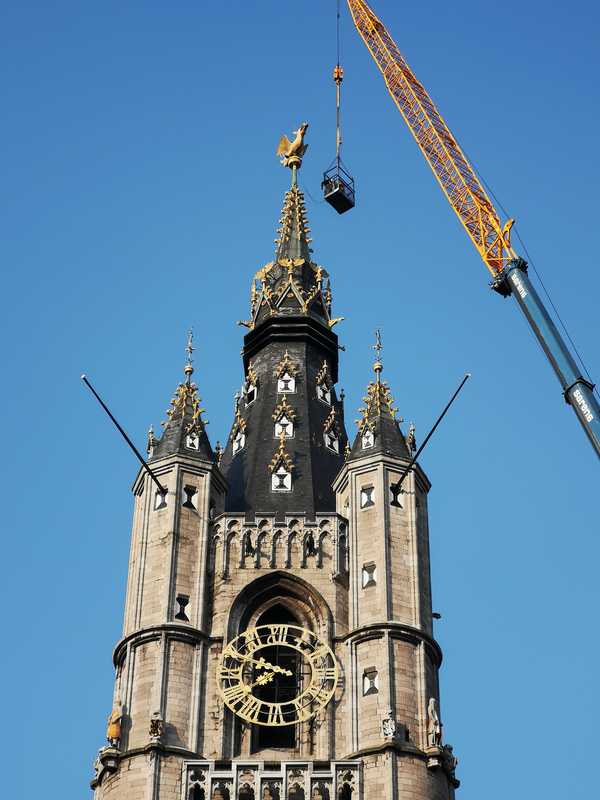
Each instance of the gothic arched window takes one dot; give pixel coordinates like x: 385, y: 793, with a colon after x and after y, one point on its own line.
x: 284, y: 687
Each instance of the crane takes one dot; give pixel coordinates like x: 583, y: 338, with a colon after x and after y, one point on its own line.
x: 470, y: 201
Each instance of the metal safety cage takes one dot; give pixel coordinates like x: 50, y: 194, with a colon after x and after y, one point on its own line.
x: 338, y: 188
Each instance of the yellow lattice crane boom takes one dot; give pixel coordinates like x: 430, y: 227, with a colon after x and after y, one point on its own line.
x: 449, y: 164
x: 475, y: 210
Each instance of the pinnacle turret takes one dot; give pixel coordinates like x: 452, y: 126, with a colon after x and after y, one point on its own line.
x: 378, y: 428
x: 184, y: 429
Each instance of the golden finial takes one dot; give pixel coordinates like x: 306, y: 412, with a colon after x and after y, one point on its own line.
x: 151, y: 440
x: 189, y: 349
x: 378, y: 347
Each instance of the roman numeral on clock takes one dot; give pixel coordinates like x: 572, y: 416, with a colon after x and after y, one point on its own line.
x: 302, y: 712
x: 233, y: 694
x: 325, y: 673
x: 317, y: 693
x: 230, y: 674
x: 320, y: 652
x: 278, y: 634
x: 250, y: 708
x: 251, y: 641
x: 275, y: 716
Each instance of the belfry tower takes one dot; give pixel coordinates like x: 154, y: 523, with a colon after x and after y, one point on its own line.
x: 278, y: 642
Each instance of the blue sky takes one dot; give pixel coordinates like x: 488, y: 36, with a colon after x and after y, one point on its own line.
x: 140, y: 194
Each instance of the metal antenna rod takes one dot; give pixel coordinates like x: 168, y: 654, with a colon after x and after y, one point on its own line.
x: 396, y: 486
x: 161, y: 488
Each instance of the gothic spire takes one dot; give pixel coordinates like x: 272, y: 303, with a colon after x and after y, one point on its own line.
x: 293, y: 284
x: 287, y: 440
x: 378, y: 428
x: 185, y: 429
x: 293, y: 239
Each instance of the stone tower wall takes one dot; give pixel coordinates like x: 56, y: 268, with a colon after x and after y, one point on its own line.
x: 161, y: 659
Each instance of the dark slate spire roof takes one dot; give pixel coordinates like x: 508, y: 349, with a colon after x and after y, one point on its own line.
x: 185, y: 430
x: 293, y: 283
x: 378, y: 419
x: 305, y: 454
x: 290, y: 363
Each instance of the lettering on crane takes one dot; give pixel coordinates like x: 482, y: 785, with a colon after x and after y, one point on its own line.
x: 585, y: 409
x: 519, y: 285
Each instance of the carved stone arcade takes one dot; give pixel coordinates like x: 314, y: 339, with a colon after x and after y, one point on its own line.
x: 263, y: 543
x: 264, y: 780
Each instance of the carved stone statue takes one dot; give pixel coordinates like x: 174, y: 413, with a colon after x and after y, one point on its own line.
x: 291, y: 153
x: 389, y: 727
x: 411, y: 440
x: 311, y: 548
x: 434, y: 726
x: 113, y: 731
x: 450, y: 761
x: 270, y: 791
x: 157, y: 726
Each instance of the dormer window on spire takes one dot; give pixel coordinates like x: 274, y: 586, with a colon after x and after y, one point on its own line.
x: 281, y: 467
x: 367, y: 439
x: 331, y: 432
x: 192, y: 441
x: 238, y: 442
x: 284, y: 426
x: 251, y: 386
x: 238, y: 433
x: 286, y: 384
x: 286, y: 373
x: 284, y: 416
x: 324, y: 384
x: 281, y: 480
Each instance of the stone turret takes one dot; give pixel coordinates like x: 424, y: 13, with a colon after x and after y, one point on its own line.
x: 394, y: 657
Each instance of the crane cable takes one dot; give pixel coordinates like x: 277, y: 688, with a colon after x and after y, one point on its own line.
x: 338, y: 77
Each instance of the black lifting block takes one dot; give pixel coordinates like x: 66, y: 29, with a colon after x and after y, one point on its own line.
x: 338, y: 188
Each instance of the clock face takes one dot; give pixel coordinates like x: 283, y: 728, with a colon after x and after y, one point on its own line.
x: 277, y: 675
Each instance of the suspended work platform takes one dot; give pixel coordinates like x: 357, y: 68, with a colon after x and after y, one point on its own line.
x: 338, y: 188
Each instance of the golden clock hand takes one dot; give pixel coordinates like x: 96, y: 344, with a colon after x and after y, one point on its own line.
x: 266, y: 677
x: 260, y: 662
